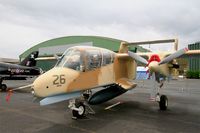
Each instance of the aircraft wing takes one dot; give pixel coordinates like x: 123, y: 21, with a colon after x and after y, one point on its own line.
x: 46, y: 58
x: 60, y: 98
x: 192, y: 52
x: 189, y: 52
x: 54, y: 57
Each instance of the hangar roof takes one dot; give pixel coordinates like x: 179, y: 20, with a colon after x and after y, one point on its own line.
x: 104, y: 42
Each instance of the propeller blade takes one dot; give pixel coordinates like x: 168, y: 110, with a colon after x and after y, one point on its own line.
x: 137, y: 57
x: 173, y: 56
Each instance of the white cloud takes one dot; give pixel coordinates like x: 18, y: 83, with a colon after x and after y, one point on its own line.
x: 26, y: 23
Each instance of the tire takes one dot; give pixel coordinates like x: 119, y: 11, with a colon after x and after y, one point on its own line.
x: 163, y: 104
x: 79, y: 114
x: 3, y: 87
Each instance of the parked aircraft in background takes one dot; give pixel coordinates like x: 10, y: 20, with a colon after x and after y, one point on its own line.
x: 23, y: 70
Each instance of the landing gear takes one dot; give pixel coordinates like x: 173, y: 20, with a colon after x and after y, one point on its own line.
x: 3, y: 87
x: 155, y: 93
x: 79, y: 110
x: 80, y: 106
x: 162, y: 100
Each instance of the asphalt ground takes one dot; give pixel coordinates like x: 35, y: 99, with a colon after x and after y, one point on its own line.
x: 135, y: 114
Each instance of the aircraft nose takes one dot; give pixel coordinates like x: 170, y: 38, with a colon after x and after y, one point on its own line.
x: 40, y: 85
x: 54, y: 82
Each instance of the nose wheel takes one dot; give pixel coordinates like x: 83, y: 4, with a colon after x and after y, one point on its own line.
x: 80, y: 107
x: 79, y: 110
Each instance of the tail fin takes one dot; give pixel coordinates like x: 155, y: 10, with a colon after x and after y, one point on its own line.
x: 30, y: 61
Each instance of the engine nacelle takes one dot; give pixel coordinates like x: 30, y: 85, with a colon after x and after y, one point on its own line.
x: 106, y: 94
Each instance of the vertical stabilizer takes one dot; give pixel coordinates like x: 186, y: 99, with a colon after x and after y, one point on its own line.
x: 30, y: 61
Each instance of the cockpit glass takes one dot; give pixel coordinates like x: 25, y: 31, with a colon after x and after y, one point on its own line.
x: 71, y: 59
x: 85, y: 59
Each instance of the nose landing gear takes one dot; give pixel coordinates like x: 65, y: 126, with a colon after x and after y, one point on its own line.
x: 80, y: 106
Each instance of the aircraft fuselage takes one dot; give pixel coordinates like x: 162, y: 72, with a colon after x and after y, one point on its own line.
x: 14, y: 71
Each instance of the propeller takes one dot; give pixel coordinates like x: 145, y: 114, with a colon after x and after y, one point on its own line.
x: 173, y: 56
x: 157, y: 72
x: 155, y: 62
x: 137, y: 57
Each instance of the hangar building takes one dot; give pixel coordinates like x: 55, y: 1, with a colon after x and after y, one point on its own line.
x: 59, y: 45
x: 194, y: 60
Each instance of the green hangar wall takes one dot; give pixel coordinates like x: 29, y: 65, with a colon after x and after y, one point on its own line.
x: 59, y: 45
x: 194, y: 60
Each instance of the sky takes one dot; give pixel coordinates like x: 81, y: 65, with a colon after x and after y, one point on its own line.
x: 25, y: 23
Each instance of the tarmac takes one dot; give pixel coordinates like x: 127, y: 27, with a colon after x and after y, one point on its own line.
x: 135, y: 114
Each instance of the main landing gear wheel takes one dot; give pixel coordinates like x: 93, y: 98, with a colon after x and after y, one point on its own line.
x: 3, y: 87
x: 79, y: 113
x: 163, y: 104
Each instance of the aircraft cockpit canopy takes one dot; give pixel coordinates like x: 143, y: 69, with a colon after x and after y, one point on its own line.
x: 86, y: 58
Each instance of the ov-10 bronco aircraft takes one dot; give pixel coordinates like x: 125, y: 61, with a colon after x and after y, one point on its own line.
x: 82, y: 68
x: 23, y: 70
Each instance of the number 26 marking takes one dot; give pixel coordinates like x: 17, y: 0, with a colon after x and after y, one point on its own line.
x: 59, y: 79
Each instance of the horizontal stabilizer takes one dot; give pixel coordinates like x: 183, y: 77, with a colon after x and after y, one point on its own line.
x: 59, y: 98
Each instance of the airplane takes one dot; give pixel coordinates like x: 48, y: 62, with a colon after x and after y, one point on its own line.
x: 20, y: 71
x: 83, y: 68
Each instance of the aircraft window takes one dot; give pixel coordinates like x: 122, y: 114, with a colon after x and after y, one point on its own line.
x: 94, y: 59
x: 63, y: 58
x: 71, y: 59
x: 108, y: 57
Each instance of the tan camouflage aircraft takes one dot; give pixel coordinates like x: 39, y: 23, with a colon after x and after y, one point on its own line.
x: 81, y: 69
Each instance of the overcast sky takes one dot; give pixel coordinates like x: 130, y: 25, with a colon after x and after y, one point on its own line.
x: 24, y: 23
